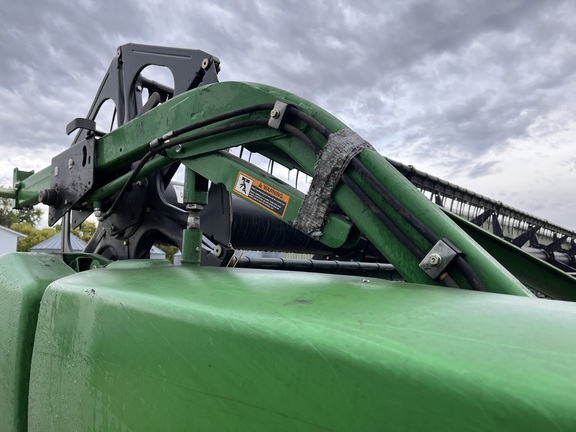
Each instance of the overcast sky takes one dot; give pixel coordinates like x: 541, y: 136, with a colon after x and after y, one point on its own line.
x: 480, y: 93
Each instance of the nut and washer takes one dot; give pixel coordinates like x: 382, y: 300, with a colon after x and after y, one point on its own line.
x: 438, y: 258
x: 435, y: 260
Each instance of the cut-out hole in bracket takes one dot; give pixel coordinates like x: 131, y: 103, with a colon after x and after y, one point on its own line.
x: 107, y: 117
x: 156, y: 79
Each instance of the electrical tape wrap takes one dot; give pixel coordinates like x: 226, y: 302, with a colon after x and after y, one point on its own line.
x: 340, y: 149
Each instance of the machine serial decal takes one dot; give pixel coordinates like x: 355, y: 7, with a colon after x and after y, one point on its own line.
x: 261, y: 194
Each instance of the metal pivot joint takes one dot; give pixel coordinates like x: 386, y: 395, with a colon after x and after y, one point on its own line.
x: 194, y: 215
x: 195, y: 198
x: 439, y: 257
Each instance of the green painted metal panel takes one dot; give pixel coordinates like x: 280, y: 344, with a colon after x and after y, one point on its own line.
x: 531, y: 271
x: 222, y: 167
x: 494, y: 276
x: 28, y: 191
x: 215, y: 349
x: 23, y: 279
x: 129, y: 142
x: 7, y: 193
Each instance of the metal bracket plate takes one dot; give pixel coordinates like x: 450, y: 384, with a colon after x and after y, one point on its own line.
x: 72, y: 177
x: 436, y: 261
x: 277, y: 114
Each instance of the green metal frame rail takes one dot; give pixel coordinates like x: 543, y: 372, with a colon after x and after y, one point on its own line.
x: 373, y: 198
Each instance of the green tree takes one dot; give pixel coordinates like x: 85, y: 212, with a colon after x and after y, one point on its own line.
x: 85, y: 231
x: 9, y: 215
x: 33, y: 235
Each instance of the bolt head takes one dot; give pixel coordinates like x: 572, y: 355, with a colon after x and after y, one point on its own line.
x: 275, y: 113
x: 435, y: 260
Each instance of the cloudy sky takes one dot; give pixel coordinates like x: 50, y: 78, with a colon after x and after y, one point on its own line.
x: 480, y: 93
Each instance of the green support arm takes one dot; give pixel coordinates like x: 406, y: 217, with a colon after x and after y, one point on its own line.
x: 371, y: 196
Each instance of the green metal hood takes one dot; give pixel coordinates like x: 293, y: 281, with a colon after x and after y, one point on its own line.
x: 139, y: 347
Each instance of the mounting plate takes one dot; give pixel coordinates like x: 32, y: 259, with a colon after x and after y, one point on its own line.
x: 436, y: 261
x: 72, y: 177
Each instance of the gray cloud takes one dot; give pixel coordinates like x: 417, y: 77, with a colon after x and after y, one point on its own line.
x: 447, y: 83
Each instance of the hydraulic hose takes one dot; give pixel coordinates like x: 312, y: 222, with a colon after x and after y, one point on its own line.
x: 169, y: 143
x: 175, y: 138
x: 424, y: 231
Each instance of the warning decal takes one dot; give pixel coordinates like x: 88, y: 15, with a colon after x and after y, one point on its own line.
x: 261, y: 194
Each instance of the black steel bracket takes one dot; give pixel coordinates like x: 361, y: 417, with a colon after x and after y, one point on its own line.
x: 123, y: 83
x: 81, y: 123
x: 72, y: 178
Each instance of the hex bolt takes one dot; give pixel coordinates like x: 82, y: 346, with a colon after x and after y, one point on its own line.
x: 70, y: 163
x: 275, y: 113
x: 435, y: 260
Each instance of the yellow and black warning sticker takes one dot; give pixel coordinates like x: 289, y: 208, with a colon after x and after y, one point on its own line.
x: 261, y: 194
